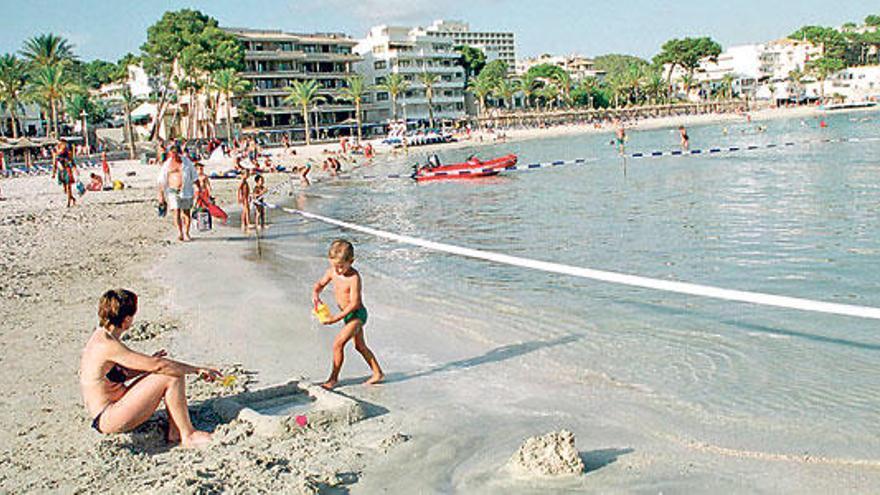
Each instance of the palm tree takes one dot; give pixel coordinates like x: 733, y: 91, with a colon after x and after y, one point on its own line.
x: 528, y: 85
x: 429, y: 80
x: 727, y: 82
x: 481, y: 87
x: 52, y: 85
x: 687, y: 80
x: 128, y: 103
x: 47, y: 49
x: 304, y: 94
x: 505, y: 89
x: 655, y: 85
x: 549, y: 93
x: 354, y: 91
x: 562, y: 81
x: 228, y: 83
x: 13, y: 77
x: 395, y: 85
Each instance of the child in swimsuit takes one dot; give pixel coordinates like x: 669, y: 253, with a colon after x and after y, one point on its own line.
x: 244, y: 199
x: 347, y: 289
x: 257, y: 196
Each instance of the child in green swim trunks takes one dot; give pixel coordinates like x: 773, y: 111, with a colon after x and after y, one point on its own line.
x: 347, y: 289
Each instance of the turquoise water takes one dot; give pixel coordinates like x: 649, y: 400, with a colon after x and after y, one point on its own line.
x: 799, y: 221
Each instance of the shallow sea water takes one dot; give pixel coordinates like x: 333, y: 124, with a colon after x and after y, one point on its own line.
x: 798, y: 221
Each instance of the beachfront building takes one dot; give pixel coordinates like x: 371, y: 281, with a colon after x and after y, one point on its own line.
x: 780, y: 57
x: 274, y: 59
x: 741, y: 64
x: 854, y: 83
x: 411, y: 51
x: 500, y: 45
x: 577, y: 66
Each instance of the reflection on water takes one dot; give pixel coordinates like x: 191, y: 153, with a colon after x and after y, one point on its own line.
x: 799, y: 221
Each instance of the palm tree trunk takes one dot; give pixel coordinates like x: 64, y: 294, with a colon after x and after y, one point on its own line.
x: 431, y: 112
x: 305, y: 111
x: 393, y: 107
x: 14, y: 122
x: 228, y: 118
x: 160, y: 113
x: 357, y: 117
x: 54, y: 118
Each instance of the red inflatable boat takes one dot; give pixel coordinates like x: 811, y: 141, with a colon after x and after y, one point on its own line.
x: 471, y: 169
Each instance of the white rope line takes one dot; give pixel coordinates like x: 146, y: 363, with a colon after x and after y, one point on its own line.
x: 610, y: 277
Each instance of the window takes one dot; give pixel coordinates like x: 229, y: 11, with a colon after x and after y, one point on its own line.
x: 380, y: 64
x: 382, y: 96
x: 380, y: 80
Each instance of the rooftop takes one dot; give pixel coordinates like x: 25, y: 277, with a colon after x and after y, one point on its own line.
x: 279, y: 35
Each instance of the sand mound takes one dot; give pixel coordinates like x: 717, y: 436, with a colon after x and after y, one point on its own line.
x: 553, y: 454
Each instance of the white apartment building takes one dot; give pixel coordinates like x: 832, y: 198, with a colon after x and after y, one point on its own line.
x: 496, y: 44
x: 742, y: 62
x: 782, y: 56
x: 141, y: 86
x: 410, y: 51
x: 855, y: 83
x: 577, y: 66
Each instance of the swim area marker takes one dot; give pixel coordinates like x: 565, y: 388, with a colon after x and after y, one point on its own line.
x: 606, y: 276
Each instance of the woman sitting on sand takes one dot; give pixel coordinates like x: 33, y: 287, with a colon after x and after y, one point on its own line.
x: 107, y: 364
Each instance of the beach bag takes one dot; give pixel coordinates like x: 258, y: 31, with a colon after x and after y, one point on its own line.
x: 203, y: 220
x: 118, y: 185
x: 80, y: 188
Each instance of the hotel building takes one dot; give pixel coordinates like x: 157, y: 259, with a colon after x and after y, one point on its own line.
x: 274, y: 59
x: 495, y: 44
x: 410, y: 51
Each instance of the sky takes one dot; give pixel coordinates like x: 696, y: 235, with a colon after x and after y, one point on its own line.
x: 110, y: 28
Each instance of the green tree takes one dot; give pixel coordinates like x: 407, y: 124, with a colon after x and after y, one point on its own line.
x: 563, y: 84
x: 229, y: 84
x: 528, y: 84
x: 395, y: 85
x: 872, y: 20
x: 495, y: 70
x: 550, y: 93
x: 547, y: 71
x: 47, y: 49
x: 687, y: 53
x: 355, y: 90
x: 481, y: 87
x: 472, y: 60
x: 823, y: 67
x: 304, y: 94
x: 129, y: 102
x: 687, y: 81
x: 584, y: 93
x: 727, y: 85
x: 505, y: 89
x: 654, y: 84
x: 614, y: 64
x: 193, y: 42
x: 831, y: 41
x: 97, y: 73
x: 49, y: 86
x: 429, y: 80
x: 13, y: 81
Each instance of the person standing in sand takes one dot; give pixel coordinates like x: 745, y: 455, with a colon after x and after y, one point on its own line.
x: 347, y: 289
x: 107, y: 364
x: 176, y: 188
x: 64, y: 169
x: 105, y: 167
x: 244, y: 200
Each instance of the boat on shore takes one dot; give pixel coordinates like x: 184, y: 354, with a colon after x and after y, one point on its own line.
x: 473, y: 168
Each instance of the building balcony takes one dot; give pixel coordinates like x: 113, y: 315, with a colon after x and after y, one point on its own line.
x: 298, y: 110
x: 300, y: 55
x: 296, y: 74
x: 433, y: 70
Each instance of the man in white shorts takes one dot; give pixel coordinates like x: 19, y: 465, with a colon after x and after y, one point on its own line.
x: 176, y: 189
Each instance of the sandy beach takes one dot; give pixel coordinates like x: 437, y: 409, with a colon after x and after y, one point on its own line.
x: 224, y: 299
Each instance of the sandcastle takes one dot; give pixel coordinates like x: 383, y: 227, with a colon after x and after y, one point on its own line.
x: 280, y: 409
x: 553, y: 454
